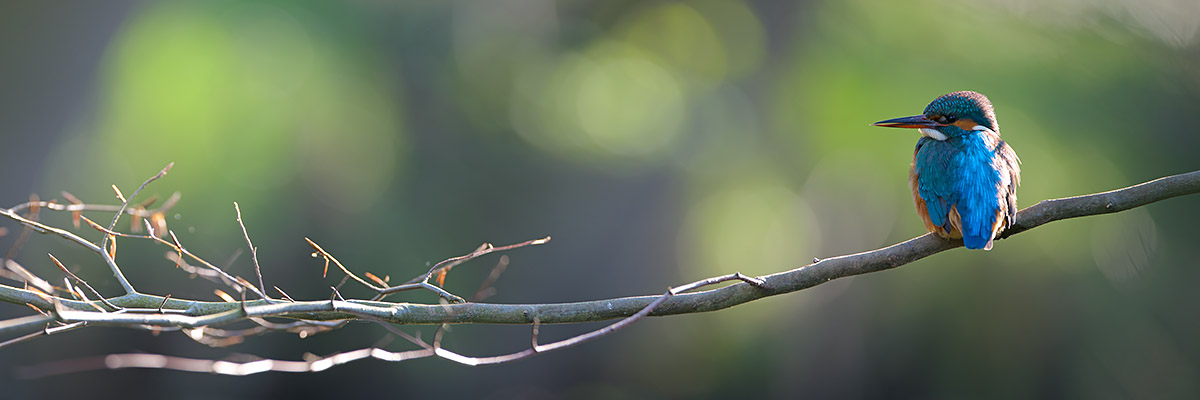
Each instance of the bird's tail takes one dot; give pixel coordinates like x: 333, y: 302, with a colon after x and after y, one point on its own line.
x: 977, y: 241
x: 979, y: 231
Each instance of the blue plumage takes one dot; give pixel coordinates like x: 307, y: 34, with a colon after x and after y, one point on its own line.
x: 963, y: 176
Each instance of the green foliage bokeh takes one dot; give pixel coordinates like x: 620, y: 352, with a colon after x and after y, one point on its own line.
x: 661, y: 142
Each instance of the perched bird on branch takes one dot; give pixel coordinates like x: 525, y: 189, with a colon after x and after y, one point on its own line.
x: 964, y: 177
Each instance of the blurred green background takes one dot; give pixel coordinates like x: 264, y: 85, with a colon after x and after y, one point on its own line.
x: 658, y: 142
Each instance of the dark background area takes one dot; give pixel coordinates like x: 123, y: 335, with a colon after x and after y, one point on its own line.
x: 659, y: 143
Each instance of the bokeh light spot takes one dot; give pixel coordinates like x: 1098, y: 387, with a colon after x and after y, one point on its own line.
x: 629, y: 105
x: 756, y: 225
x: 679, y: 36
x: 609, y: 103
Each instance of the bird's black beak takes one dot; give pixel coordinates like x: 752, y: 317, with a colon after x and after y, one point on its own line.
x: 916, y: 121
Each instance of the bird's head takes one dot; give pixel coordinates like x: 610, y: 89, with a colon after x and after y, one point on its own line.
x: 951, y: 115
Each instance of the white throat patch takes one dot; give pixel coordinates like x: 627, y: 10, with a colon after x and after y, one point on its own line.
x: 932, y: 133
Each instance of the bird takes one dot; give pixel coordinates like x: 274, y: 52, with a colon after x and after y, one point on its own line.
x: 963, y: 177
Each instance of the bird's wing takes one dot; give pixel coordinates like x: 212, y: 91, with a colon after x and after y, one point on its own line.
x: 1009, y: 161
x: 932, y: 164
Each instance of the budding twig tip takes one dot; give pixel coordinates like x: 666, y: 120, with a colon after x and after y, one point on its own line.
x: 165, y: 169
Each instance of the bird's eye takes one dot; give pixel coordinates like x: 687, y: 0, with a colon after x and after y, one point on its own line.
x: 945, y: 120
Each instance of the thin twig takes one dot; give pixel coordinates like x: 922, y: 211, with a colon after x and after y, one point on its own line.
x: 22, y: 338
x: 229, y: 279
x: 421, y: 282
x: 253, y: 250
x: 73, y: 207
x: 83, y: 282
x: 285, y: 295
x: 483, y: 250
x: 43, y: 228
x: 26, y: 232
x: 330, y: 257
x: 486, y: 289
x: 125, y: 204
x: 24, y: 275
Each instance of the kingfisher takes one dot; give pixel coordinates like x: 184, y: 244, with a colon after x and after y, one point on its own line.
x: 964, y: 178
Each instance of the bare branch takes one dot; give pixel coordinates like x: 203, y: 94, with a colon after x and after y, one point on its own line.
x: 783, y: 282
x: 154, y: 312
x: 156, y: 361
